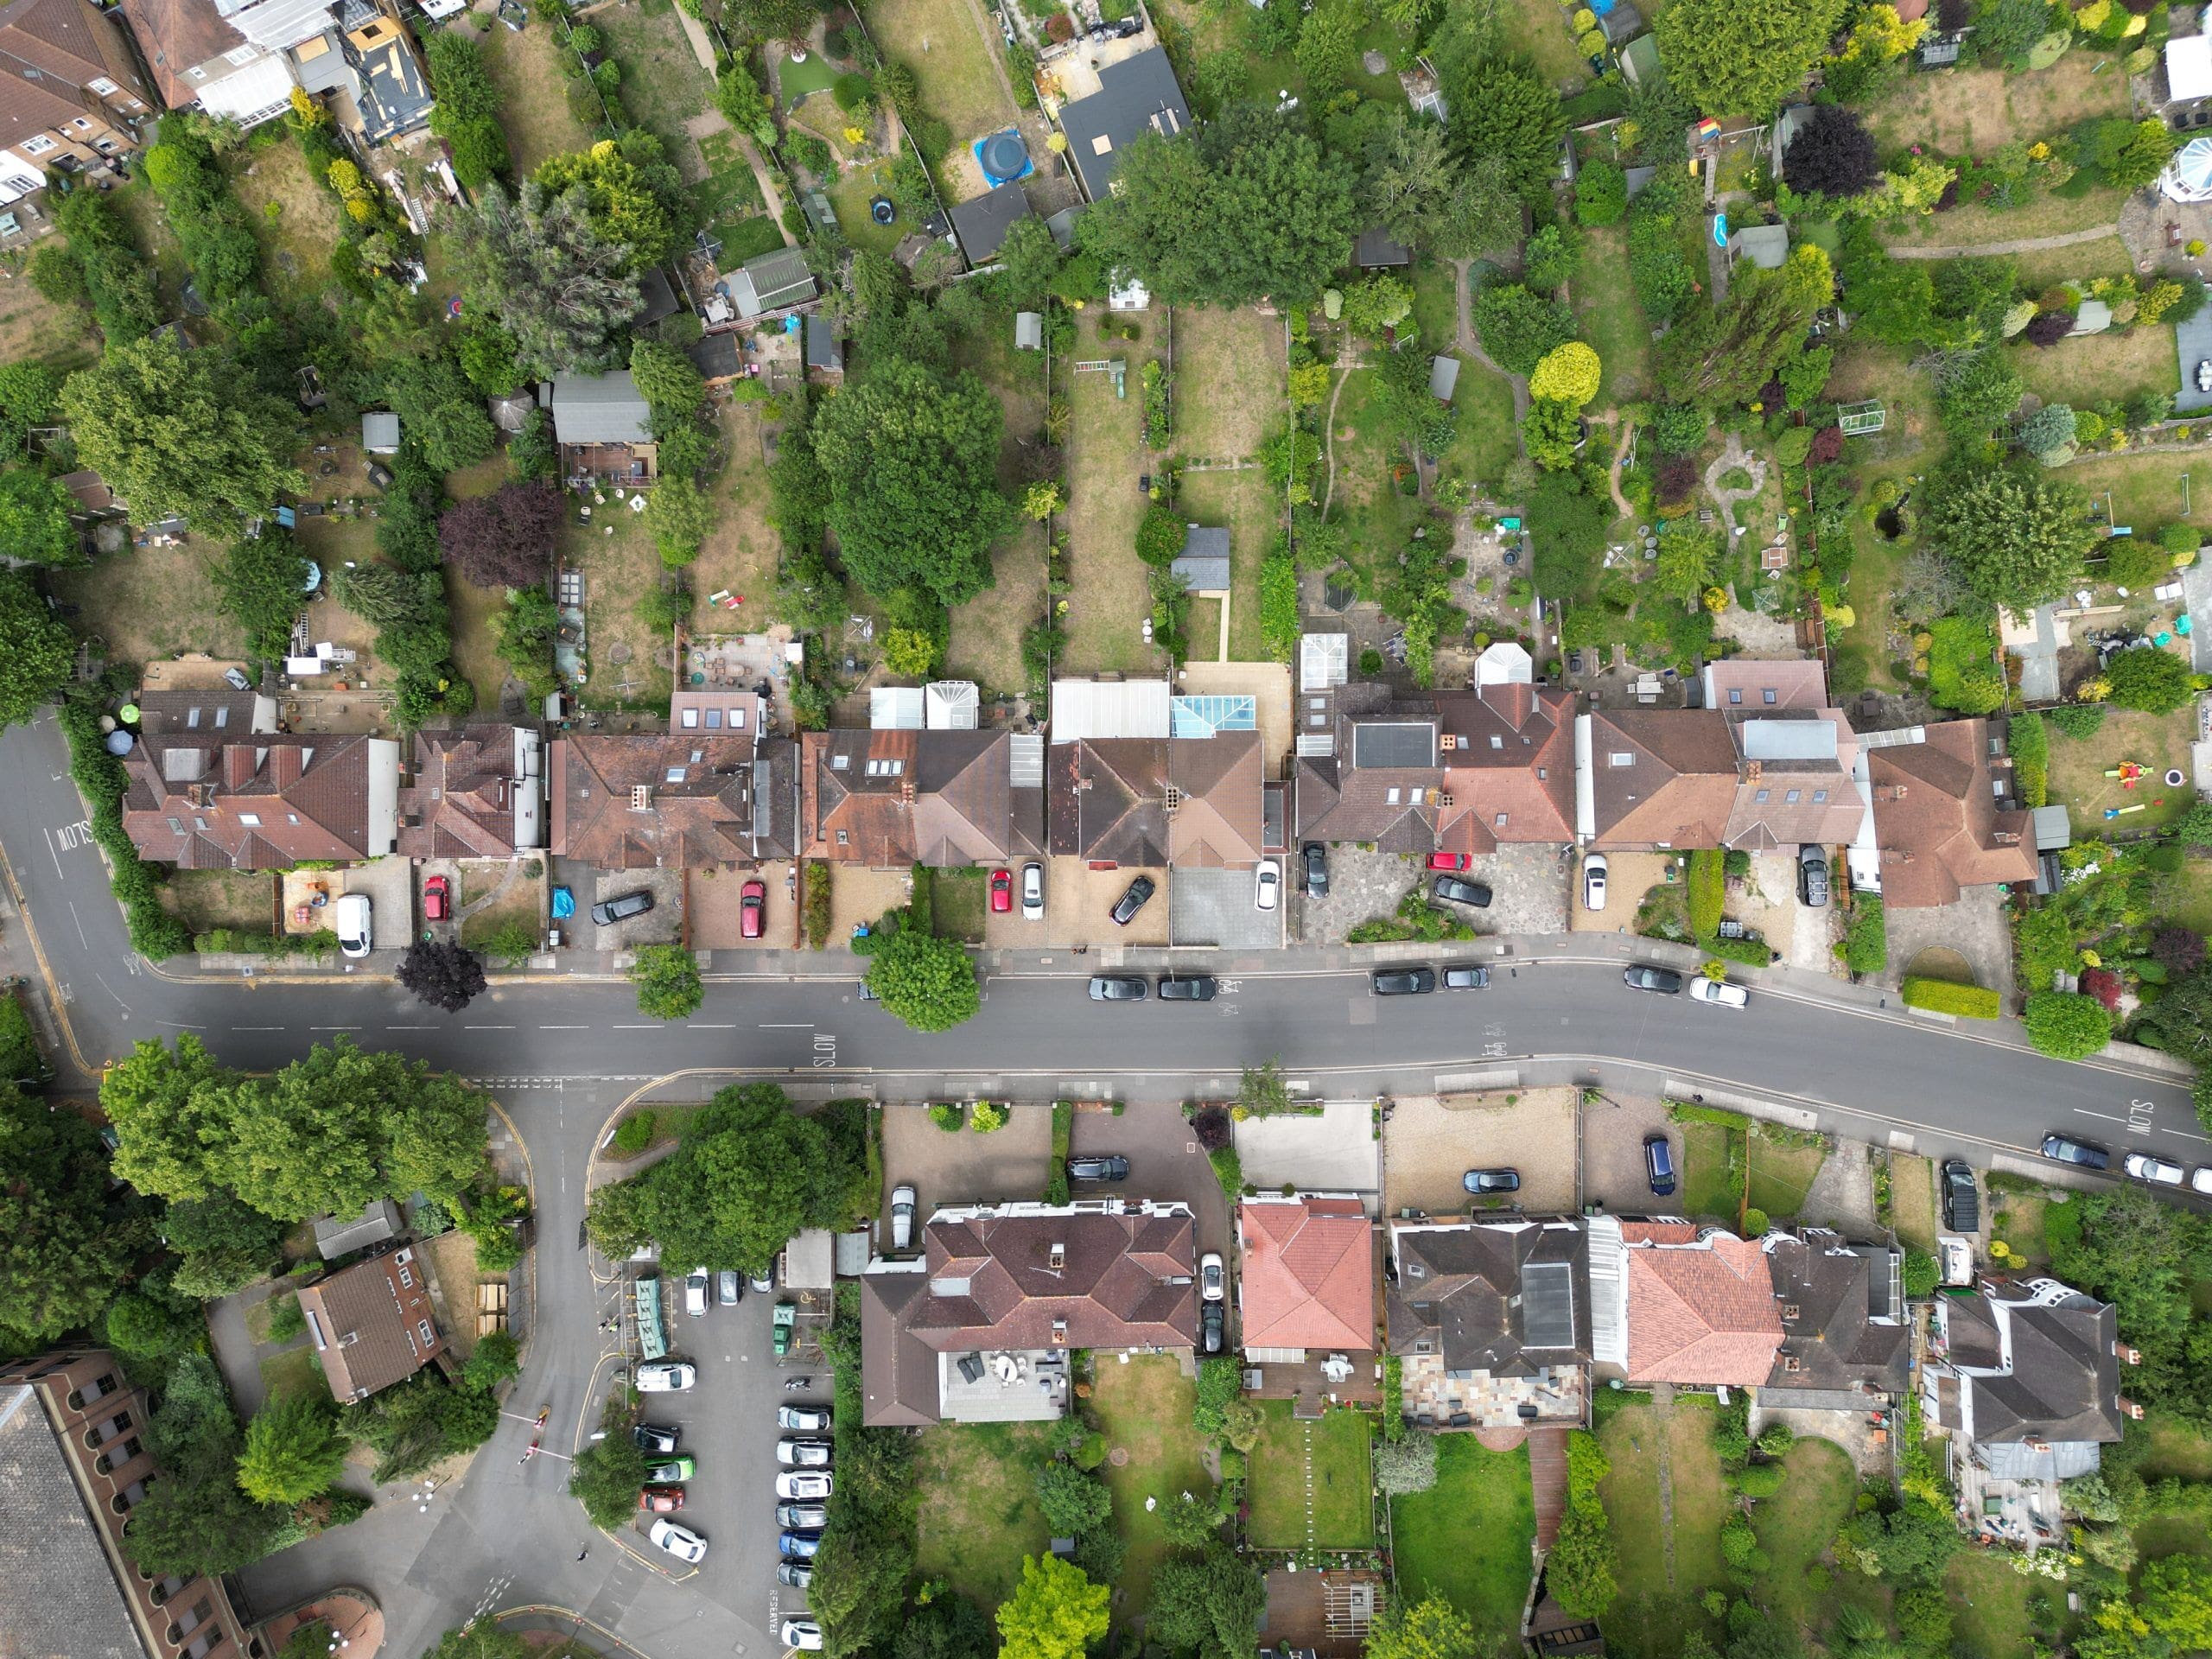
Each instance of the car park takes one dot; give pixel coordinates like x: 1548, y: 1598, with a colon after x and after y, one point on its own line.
x: 805, y: 1483
x: 621, y: 907
x: 1812, y: 876
x: 666, y: 1376
x: 902, y: 1217
x: 1962, y: 1206
x: 2065, y: 1149
x: 1132, y: 900
x: 694, y: 1292
x: 660, y: 1500
x: 1118, y: 987
x: 437, y: 899
x: 752, y: 910
x: 651, y: 1437
x: 355, y: 924
x: 1001, y: 891
x: 1453, y: 891
x: 1718, y: 992
x: 1032, y: 891
x: 1099, y: 1167
x: 679, y: 1541
x: 1665, y: 981
x: 674, y: 1469
x: 798, y: 1546
x: 807, y: 1419
x: 802, y: 1634
x: 1594, y: 871
x: 798, y: 1574
x: 1403, y: 982
x: 1267, y: 884
x: 1484, y: 1182
x: 1465, y: 978
x: 804, y: 1454
x: 1213, y: 1279
x: 1315, y: 858
x: 1211, y: 1321
x: 1449, y: 860
x: 2148, y: 1166
x: 730, y: 1288
x: 1188, y: 988
x: 1659, y: 1165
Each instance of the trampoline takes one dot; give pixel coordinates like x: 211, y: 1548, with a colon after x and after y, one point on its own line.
x: 1003, y: 157
x: 881, y: 211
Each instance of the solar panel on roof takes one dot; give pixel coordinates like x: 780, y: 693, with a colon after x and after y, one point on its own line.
x: 1548, y: 1305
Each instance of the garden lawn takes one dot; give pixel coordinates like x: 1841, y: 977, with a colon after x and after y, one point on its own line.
x: 1706, y: 1187
x: 619, y: 570
x: 1109, y: 593
x: 978, y: 1515
x: 2146, y: 490
x: 2074, y: 262
x: 1379, y: 516
x: 1912, y: 1200
x: 2078, y: 766
x: 1436, y: 305
x: 939, y: 41
x: 1331, y: 1452
x: 1651, y: 1619
x: 2110, y: 367
x: 1541, y: 34
x: 1468, y: 1537
x: 148, y: 603
x: 1486, y: 440
x: 959, y: 899
x: 1143, y: 1408
x: 1989, y: 1604
x: 986, y: 641
x: 740, y: 555
x: 849, y: 197
x: 1796, y: 1525
x: 294, y: 244
x: 1972, y: 111
x: 202, y: 900
x: 526, y: 68
x: 522, y: 901
x: 2178, y: 1450
x: 2016, y: 1220
x: 1781, y: 1176
x: 293, y: 1372
x: 2191, y: 903
x: 796, y: 81
x: 1611, y: 320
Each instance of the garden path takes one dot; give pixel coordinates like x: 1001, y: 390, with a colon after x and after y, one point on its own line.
x: 1470, y: 343
x: 1663, y: 1409
x: 1347, y: 361
x: 508, y: 878
x: 710, y: 122
x: 1732, y: 455
x: 2025, y: 245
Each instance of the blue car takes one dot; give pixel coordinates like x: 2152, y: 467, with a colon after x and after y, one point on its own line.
x: 799, y: 1546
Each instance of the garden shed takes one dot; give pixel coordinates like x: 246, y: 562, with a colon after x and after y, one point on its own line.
x: 1765, y: 246
x: 1443, y: 377
x: 380, y: 433
x: 2093, y: 318
x: 1028, y: 331
x: 2189, y: 67
x: 1203, y: 565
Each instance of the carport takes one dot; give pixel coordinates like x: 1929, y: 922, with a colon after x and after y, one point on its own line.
x: 1216, y: 907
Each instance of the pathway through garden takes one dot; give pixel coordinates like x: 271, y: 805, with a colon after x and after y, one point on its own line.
x: 1732, y: 455
x: 2025, y: 245
x: 1305, y: 1454
x: 1663, y: 1409
x: 508, y: 877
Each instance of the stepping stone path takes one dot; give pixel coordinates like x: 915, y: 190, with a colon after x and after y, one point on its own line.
x: 1305, y: 1454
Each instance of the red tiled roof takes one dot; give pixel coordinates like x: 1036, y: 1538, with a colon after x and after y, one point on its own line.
x: 257, y: 804
x: 1936, y: 820
x: 1701, y: 1315
x: 1308, y: 1274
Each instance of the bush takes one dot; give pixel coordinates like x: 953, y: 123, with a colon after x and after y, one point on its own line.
x: 815, y: 879
x: 1706, y: 888
x: 2076, y: 719
x: 1921, y: 1273
x: 1408, y: 1465
x: 988, y: 1116
x: 1759, y: 1479
x: 634, y: 1133
x: 2067, y: 1026
x: 287, y: 1319
x: 1755, y: 1222
x: 1866, y: 942
x: 1210, y: 1126
x: 1946, y: 996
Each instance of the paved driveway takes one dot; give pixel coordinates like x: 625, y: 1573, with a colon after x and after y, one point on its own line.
x: 1430, y: 1142
x: 1165, y: 1162
x: 946, y: 1166
x: 1629, y: 876
x: 1973, y: 926
x: 1336, y: 1152
x: 659, y: 925
x: 1767, y: 904
x: 1078, y: 901
x: 1216, y: 907
x: 1613, y: 1154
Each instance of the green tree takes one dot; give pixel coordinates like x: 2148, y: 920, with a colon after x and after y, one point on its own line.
x: 293, y: 1450
x: 195, y: 1520
x: 2014, y: 540
x: 226, y: 1244
x: 667, y: 978
x: 440, y: 410
x: 1978, y: 393
x: 2133, y: 153
x: 1506, y: 112
x: 1601, y: 193
x: 35, y: 519
x: 1742, y: 57
x: 1431, y: 1627
x: 480, y: 1639
x: 1211, y: 1603
x: 2145, y: 677
x: 263, y: 582
x: 2176, y: 1601
x: 182, y: 432
x: 928, y: 983
x: 1264, y: 1090
x: 606, y: 1478
x: 537, y: 264
x: 150, y: 1325
x: 1578, y: 1572
x: 2066, y: 1024
x: 35, y: 651
x: 669, y: 382
x: 70, y: 1245
x: 1518, y: 328
x: 680, y: 516
x: 1055, y: 1612
x: 1568, y: 374
x: 467, y: 114
x: 1328, y: 46
x: 1072, y: 1500
x: 165, y: 1106
x: 632, y: 198
x: 496, y: 1358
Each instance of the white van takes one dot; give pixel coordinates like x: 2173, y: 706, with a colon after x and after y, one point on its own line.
x: 351, y: 920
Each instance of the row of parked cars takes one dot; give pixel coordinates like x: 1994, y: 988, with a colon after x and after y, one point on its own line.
x: 2146, y: 1166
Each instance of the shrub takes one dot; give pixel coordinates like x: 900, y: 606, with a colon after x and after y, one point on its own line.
x: 2076, y: 719
x: 948, y: 1115
x: 1759, y: 1479
x: 850, y: 92
x: 1921, y: 1273
x: 1866, y: 941
x: 2067, y: 1026
x: 815, y: 878
x: 987, y: 1116
x: 1947, y: 997
x: 1408, y: 1465
x: 1708, y: 886
x: 634, y: 1133
x: 1755, y: 1222
x: 287, y: 1319
x: 1211, y: 1127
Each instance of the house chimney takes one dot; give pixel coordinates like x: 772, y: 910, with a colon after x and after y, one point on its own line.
x: 1751, y: 771
x: 2130, y: 1355
x: 906, y: 791
x: 641, y: 797
x: 1060, y: 1333
x: 1059, y: 1257
x: 2130, y: 1409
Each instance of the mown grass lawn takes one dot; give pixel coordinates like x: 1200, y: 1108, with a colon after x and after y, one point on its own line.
x: 1990, y: 1604
x: 1708, y: 1188
x: 2154, y: 741
x: 2145, y: 491
x: 1468, y: 1538
x: 1912, y: 1200
x: 975, y: 1484
x: 1335, y: 1449
x: 1795, y: 1528
x: 1781, y: 1176
x: 1143, y: 1408
x: 1653, y: 1617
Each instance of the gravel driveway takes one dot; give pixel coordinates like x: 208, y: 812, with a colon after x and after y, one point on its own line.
x: 1527, y: 884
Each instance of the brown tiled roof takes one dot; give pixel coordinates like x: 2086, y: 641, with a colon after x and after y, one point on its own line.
x: 1796, y: 681
x: 32, y: 102
x: 1308, y: 1267
x: 1108, y: 800
x: 461, y: 803
x: 1216, y: 821
x: 698, y: 793
x: 1337, y: 800
x: 942, y: 798
x: 368, y: 1324
x: 1661, y: 777
x: 1936, y: 820
x: 1702, y: 1314
x: 222, y: 713
x: 1462, y: 1288
x: 1511, y: 759
x: 1787, y: 801
x: 1849, y: 1329
x: 189, y: 797
x: 174, y: 35
x: 49, y: 49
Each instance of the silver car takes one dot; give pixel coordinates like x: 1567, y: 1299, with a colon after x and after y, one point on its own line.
x: 1032, y: 891
x: 902, y: 1217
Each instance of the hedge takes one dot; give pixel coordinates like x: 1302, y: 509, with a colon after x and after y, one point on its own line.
x: 1866, y: 947
x: 1682, y: 1111
x: 2031, y: 747
x: 155, y: 934
x: 1752, y: 953
x: 1707, y: 887
x: 1947, y: 997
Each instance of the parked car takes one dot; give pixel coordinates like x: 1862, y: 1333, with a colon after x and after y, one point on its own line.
x: 1032, y: 891
x: 237, y: 680
x: 1465, y: 978
x: 1718, y: 992
x: 798, y: 1546
x: 350, y: 919
x: 1486, y: 1181
x: 1212, y: 1321
x: 1315, y: 857
x: 2065, y: 1150
x: 1267, y: 884
x: 764, y: 1281
x: 1812, y: 876
x: 1403, y: 982
x: 808, y: 1420
x: 902, y: 1217
x: 752, y: 910
x: 798, y: 1574
x: 802, y: 1515
x: 804, y: 1484
x: 1665, y: 981
x: 673, y: 1469
x: 666, y: 1376
x: 1002, y: 891
x: 805, y: 1453
x: 694, y: 1292
x: 1449, y: 860
x: 652, y: 1436
x: 679, y: 1541
x: 1133, y: 901
x: 1188, y: 988
x: 660, y: 1500
x: 1118, y: 987
x: 1594, y: 869
x: 1453, y: 891
x: 803, y: 1634
x: 2148, y: 1166
x: 1962, y: 1206
x: 1099, y: 1167
x: 2200, y: 1179
x: 1213, y: 1279
x: 1955, y: 1258
x: 729, y: 1287
x: 437, y: 899
x: 621, y: 907
x: 1659, y: 1164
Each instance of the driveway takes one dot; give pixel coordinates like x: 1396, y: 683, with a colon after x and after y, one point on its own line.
x: 1766, y: 902
x: 1334, y: 1152
x: 946, y: 1166
x: 858, y: 895
x: 715, y: 903
x: 1216, y: 907
x: 1629, y: 876
x: 1430, y: 1142
x: 1972, y: 926
x: 659, y: 925
x: 1165, y: 1162
x: 1363, y: 885
x: 1078, y: 900
x: 1613, y: 1154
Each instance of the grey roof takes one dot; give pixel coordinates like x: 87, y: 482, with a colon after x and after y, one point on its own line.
x: 1375, y: 248
x: 1847, y: 1331
x: 380, y: 432
x: 823, y: 349
x: 1623, y: 22
x: 1135, y: 96
x: 1394, y: 743
x: 1029, y: 331
x: 2064, y: 1380
x: 660, y: 298
x: 770, y: 283
x: 2054, y: 1460
x: 1062, y: 225
x: 716, y: 356
x: 336, y: 1235
x: 1637, y: 177
x: 1201, y: 575
x: 2054, y: 830
x: 393, y: 97
x: 58, y: 1595
x: 1443, y: 377
x: 1505, y: 1298
x: 600, y: 408
x: 1765, y: 246
x: 983, y: 223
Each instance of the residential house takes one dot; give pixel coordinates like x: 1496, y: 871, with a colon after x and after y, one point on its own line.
x: 978, y: 1328
x: 1939, y: 825
x: 1507, y: 747
x: 204, y: 801
x: 948, y: 799
x: 983, y: 223
x: 1150, y: 802
x: 603, y: 425
x: 1307, y: 1277
x: 478, y: 792
x: 240, y: 60
x: 71, y: 97
x: 222, y: 713
x: 1374, y: 778
x: 73, y: 1463
x: 770, y: 281
x: 1135, y: 97
x: 337, y: 1236
x: 1846, y: 1337
x: 372, y: 1324
x: 1492, y: 1320
x: 694, y: 797
x: 1682, y: 1304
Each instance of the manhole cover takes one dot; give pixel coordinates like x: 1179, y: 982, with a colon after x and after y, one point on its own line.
x: 618, y: 653
x: 1119, y: 1457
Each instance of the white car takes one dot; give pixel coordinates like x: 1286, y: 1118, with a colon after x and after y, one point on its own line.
x: 351, y: 920
x: 1212, y: 1281
x: 1267, y: 884
x: 1956, y: 1256
x: 803, y: 1634
x: 805, y: 1454
x: 666, y: 1376
x: 1594, y: 882
x: 1718, y: 992
x: 694, y: 1293
x: 2201, y: 1180
x: 902, y: 1217
x: 1032, y: 891
x: 679, y: 1541
x: 802, y: 1483
x: 808, y: 1420
x: 2146, y: 1166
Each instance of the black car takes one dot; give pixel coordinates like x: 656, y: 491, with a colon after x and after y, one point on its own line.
x: 1099, y: 1167
x: 1659, y: 1164
x: 1118, y: 987
x: 1813, y: 876
x: 651, y: 1437
x: 1210, y: 1327
x: 1404, y: 982
x: 1126, y: 907
x: 1452, y: 890
x: 1665, y: 981
x: 621, y: 907
x: 2068, y: 1151
x: 1491, y: 1180
x: 1962, y: 1207
x: 1466, y: 979
x: 1188, y: 988
x: 1315, y: 857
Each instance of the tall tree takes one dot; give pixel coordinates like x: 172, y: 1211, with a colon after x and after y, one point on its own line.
x: 1414, y: 188
x: 447, y: 976
x: 632, y: 198
x: 504, y: 539
x: 1724, y: 356
x: 165, y: 1105
x: 1055, y: 1612
x: 70, y: 1244
x: 182, y: 431
x: 293, y: 1449
x: 537, y: 264
x: 467, y: 114
x: 34, y: 651
x: 667, y: 978
x: 2015, y: 540
x: 1212, y: 1604
x: 928, y: 983
x: 35, y: 510
x: 195, y: 1520
x: 1430, y: 1629
x: 440, y: 410
x: 1831, y: 153
x: 226, y: 1245
x: 264, y: 581
x: 1508, y: 112
x: 1742, y: 57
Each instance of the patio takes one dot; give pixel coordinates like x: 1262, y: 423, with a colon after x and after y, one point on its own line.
x: 1435, y: 1398
x: 1999, y: 1509
x: 1341, y: 1379
x: 1030, y: 1386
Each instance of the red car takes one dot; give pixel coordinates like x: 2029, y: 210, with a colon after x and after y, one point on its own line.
x: 1449, y: 860
x: 752, y: 909
x: 1001, y: 890
x: 437, y: 899
x: 661, y: 1500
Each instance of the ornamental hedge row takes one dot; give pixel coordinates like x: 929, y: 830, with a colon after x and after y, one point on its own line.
x: 1945, y: 996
